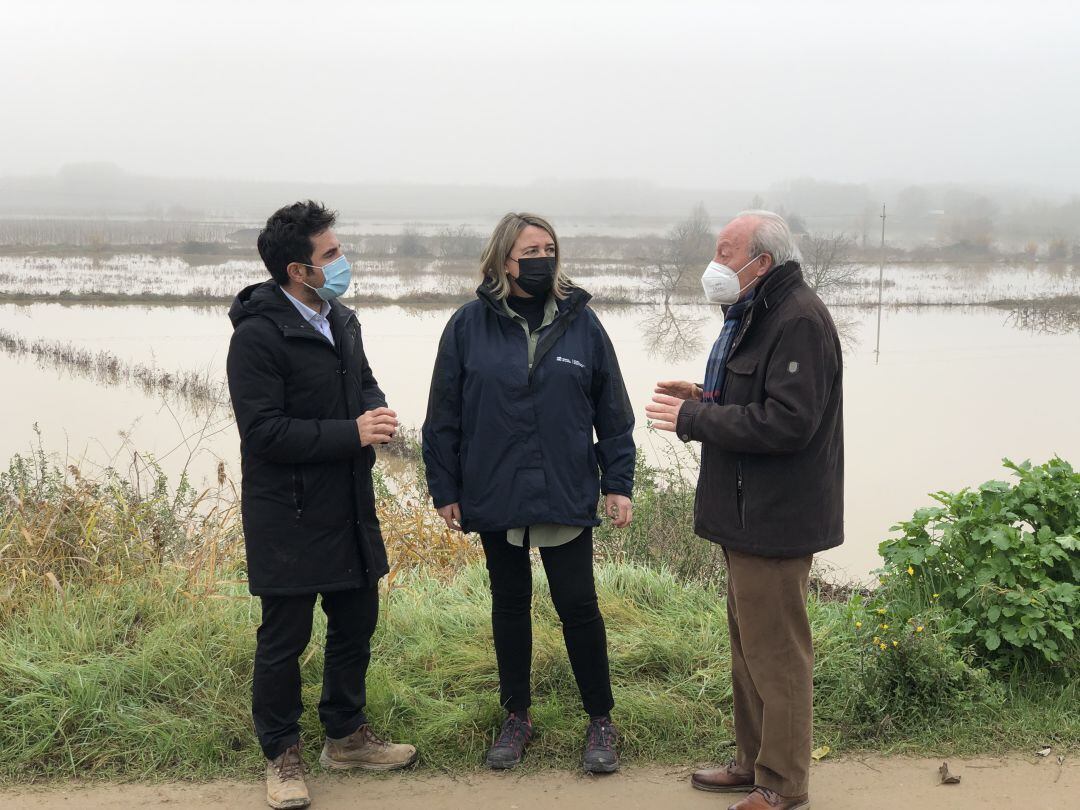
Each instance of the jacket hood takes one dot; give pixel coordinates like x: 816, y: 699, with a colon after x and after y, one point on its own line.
x: 264, y: 298
x: 267, y: 299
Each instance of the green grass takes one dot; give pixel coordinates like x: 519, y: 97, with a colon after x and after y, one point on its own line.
x: 127, y: 637
x: 137, y: 679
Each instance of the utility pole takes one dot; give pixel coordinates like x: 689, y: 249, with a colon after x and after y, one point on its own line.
x: 880, y: 284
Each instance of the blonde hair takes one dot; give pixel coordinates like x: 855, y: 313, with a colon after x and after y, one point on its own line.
x: 493, y: 259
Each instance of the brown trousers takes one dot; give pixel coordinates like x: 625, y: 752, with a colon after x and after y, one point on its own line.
x: 772, y: 669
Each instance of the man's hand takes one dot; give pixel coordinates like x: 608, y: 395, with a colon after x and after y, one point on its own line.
x: 679, y: 389
x: 377, y: 426
x: 451, y: 513
x: 664, y: 411
x: 619, y: 509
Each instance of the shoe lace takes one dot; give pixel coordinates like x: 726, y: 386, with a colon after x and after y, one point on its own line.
x: 290, y: 765
x: 513, y: 732
x: 601, y: 733
x: 733, y: 767
x: 372, y: 737
x: 771, y: 796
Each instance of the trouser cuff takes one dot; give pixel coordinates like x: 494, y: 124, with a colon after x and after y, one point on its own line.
x: 765, y: 778
x: 275, y: 748
x: 347, y: 729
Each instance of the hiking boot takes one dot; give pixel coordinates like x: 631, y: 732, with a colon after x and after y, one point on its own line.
x: 728, y: 779
x: 285, y: 788
x: 765, y: 799
x: 600, y: 753
x: 364, y: 749
x: 510, y: 746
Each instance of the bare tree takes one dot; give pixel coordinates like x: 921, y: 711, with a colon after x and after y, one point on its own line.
x: 1056, y: 316
x: 828, y: 268
x: 827, y: 264
x: 670, y: 337
x: 411, y: 244
x: 682, y: 255
x: 459, y: 243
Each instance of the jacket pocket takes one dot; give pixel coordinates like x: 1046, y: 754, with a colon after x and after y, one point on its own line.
x: 739, y: 380
x: 298, y: 490
x: 740, y: 494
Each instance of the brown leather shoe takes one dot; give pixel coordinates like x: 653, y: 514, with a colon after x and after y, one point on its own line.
x: 765, y: 799
x: 723, y: 780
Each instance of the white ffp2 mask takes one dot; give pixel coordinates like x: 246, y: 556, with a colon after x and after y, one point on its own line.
x: 721, y: 283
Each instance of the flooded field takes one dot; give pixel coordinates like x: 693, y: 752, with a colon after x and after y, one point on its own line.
x: 953, y: 390
x: 135, y: 275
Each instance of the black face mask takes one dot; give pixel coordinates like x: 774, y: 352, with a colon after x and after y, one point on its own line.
x: 537, y: 275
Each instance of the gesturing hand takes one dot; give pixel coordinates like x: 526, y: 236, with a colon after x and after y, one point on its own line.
x: 451, y: 513
x: 664, y: 411
x: 680, y: 389
x: 377, y: 426
x: 620, y: 509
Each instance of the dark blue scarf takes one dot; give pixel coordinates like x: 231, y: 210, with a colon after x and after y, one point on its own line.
x: 714, y: 369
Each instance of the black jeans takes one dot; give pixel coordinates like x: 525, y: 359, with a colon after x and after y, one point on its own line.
x: 569, y: 570
x: 276, y: 703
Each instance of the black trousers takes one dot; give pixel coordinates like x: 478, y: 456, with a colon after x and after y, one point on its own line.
x: 569, y: 570
x: 276, y: 703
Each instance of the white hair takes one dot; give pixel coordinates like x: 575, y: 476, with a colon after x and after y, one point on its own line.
x: 772, y: 235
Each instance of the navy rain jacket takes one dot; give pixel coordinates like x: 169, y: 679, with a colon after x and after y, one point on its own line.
x: 515, y: 448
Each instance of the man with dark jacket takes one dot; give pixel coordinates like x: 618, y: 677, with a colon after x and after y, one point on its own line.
x: 309, y: 411
x: 769, y: 417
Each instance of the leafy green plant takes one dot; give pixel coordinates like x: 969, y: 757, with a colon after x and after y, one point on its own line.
x: 909, y: 663
x: 1002, y: 562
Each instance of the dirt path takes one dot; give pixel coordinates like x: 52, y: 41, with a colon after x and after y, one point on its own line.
x: 855, y: 782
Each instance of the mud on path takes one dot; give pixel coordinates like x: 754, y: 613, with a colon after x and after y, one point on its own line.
x: 883, y: 783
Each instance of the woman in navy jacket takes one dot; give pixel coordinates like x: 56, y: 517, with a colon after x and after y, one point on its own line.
x: 523, y: 377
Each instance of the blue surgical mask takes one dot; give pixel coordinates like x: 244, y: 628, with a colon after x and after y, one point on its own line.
x: 338, y: 275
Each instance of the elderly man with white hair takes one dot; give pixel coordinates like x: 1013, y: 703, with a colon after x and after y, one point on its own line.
x: 769, y: 417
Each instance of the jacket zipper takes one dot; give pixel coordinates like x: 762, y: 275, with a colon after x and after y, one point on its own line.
x: 298, y: 491
x: 740, y: 496
x: 555, y: 330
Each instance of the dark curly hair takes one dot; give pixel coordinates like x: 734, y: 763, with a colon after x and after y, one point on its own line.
x: 287, y: 236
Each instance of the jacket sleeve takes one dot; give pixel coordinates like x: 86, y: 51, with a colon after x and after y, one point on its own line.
x: 372, y: 395
x: 799, y: 380
x: 441, y: 434
x: 613, y: 420
x: 257, y: 389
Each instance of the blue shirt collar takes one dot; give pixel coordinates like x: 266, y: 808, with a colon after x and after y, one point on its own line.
x: 306, y: 312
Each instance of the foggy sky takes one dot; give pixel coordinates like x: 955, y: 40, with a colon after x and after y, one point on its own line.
x: 686, y: 94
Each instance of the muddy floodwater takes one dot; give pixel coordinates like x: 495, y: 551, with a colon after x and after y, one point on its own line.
x: 952, y: 391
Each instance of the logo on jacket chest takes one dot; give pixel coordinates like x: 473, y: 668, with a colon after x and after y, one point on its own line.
x: 570, y: 360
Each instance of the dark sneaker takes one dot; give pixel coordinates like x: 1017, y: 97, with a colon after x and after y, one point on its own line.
x: 510, y: 746
x: 600, y: 740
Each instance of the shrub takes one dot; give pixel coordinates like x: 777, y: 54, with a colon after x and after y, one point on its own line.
x: 1001, y: 562
x: 662, y: 532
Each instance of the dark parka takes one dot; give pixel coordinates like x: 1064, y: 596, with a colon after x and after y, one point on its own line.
x: 307, y: 501
x: 772, y: 449
x: 515, y: 448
